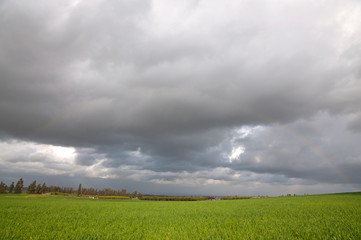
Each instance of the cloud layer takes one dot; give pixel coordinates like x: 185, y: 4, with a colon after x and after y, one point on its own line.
x: 191, y: 93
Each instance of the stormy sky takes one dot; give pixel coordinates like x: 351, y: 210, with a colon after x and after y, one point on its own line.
x: 182, y: 97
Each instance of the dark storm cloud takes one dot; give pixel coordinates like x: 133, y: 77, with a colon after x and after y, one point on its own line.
x: 162, y: 88
x: 318, y: 149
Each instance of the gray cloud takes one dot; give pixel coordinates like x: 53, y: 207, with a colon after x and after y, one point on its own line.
x: 163, y: 88
x: 319, y: 149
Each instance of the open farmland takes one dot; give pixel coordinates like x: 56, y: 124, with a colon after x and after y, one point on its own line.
x: 334, y: 216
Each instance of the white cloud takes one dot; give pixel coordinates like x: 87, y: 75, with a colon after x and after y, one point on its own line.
x: 236, y: 152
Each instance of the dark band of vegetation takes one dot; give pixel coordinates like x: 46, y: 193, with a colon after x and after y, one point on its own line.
x: 34, y: 188
x: 95, y: 193
x: 156, y: 198
x: 234, y: 198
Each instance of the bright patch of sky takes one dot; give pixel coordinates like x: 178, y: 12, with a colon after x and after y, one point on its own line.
x: 236, y: 152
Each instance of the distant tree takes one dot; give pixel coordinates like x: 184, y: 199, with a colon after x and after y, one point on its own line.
x: 19, y: 186
x: 139, y: 195
x: 53, y: 189
x: 89, y: 191
x: 31, y: 188
x: 134, y: 194
x: 11, y: 188
x: 3, y: 187
x: 67, y: 190
x: 43, y: 188
x: 123, y: 192
x: 38, y: 189
x: 79, y: 190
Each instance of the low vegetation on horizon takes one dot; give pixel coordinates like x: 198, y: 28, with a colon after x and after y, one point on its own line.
x: 106, y: 193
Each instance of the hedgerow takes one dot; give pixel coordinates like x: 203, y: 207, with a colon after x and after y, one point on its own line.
x: 156, y: 198
x: 234, y: 198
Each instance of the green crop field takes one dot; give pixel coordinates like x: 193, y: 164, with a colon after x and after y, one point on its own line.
x: 334, y: 216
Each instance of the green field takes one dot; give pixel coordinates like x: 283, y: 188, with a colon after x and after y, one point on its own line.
x: 335, y: 216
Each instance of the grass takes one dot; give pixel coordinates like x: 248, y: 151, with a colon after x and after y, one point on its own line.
x: 333, y: 216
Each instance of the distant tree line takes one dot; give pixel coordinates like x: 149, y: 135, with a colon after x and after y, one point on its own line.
x: 158, y: 198
x: 35, y: 188
x: 101, y: 192
x: 12, y: 189
x: 234, y: 198
x: 106, y: 193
